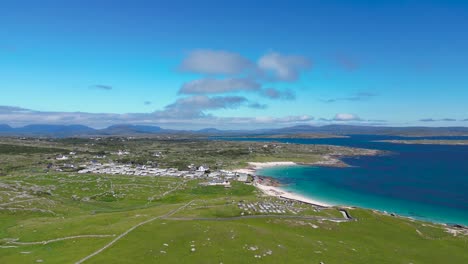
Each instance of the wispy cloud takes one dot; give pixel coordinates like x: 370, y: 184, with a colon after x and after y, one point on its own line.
x: 184, y: 113
x: 219, y: 86
x: 279, y: 67
x: 273, y: 93
x: 227, y: 80
x: 256, y: 105
x: 346, y: 117
x: 377, y: 121
x: 351, y: 119
x: 361, y: 96
x: 273, y: 66
x: 215, y: 62
x: 237, y: 74
x: 195, y: 106
x: 346, y: 62
x: 101, y: 87
x: 188, y: 112
x: 437, y: 120
x: 4, y: 109
x: 209, y: 86
x: 286, y: 119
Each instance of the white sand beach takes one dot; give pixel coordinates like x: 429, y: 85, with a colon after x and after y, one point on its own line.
x: 262, y: 165
x: 254, y: 166
x: 277, y: 191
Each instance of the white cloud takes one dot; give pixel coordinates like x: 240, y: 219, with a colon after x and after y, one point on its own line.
x: 285, y: 120
x: 361, y: 96
x: 273, y: 65
x: 273, y: 93
x: 184, y: 113
x: 244, y: 76
x: 209, y: 86
x: 216, y: 86
x: 215, y: 62
x: 12, y: 109
x: 283, y: 67
x: 346, y: 117
x: 195, y: 106
x: 102, y: 87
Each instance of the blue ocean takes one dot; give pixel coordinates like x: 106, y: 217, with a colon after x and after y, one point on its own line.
x: 427, y: 182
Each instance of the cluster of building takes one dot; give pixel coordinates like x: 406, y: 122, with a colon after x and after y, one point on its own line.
x: 221, y: 177
x: 121, y: 152
x: 65, y: 157
x: 273, y: 207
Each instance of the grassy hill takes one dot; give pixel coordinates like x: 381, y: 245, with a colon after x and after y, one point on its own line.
x: 189, y: 223
x: 66, y: 217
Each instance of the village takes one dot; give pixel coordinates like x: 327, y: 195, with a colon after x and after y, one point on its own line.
x: 220, y: 177
x: 97, y: 165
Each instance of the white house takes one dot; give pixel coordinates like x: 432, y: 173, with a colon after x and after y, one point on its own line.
x: 202, y: 168
x: 61, y: 157
x: 121, y: 153
x: 219, y: 182
x: 242, y: 177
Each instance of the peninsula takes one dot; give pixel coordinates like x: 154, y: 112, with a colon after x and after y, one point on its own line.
x: 125, y: 199
x: 427, y: 141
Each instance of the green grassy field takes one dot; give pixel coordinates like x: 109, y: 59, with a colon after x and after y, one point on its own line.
x: 65, y: 217
x: 176, y: 153
x: 169, y: 238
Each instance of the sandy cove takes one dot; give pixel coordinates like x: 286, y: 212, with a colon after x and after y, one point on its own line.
x: 254, y: 166
x: 277, y: 191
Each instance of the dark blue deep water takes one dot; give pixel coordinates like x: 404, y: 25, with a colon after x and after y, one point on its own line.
x: 428, y: 182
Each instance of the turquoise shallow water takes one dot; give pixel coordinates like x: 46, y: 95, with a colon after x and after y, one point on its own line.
x: 427, y: 182
x: 310, y: 182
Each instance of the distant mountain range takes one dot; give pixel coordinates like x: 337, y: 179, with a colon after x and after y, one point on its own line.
x: 135, y: 130
x: 76, y: 130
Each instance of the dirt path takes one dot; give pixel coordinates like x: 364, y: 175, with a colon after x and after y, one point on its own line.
x: 150, y: 199
x: 21, y: 201
x: 56, y: 240
x: 130, y: 230
x: 173, y: 189
x: 27, y: 209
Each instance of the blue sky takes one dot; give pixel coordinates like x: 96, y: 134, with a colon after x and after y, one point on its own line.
x: 232, y: 64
